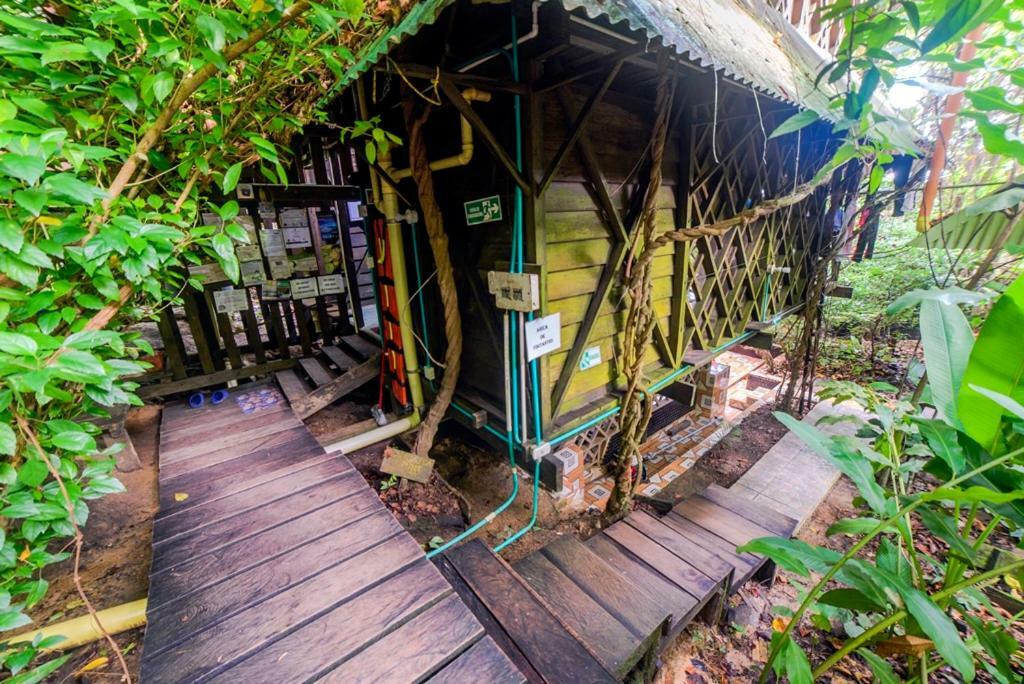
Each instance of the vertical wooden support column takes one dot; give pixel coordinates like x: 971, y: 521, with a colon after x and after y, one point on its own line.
x: 680, y: 267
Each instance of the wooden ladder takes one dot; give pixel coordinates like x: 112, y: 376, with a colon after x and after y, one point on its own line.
x: 320, y: 380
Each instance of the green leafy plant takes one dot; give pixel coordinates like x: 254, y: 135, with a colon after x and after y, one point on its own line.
x: 122, y: 124
x: 387, y: 484
x: 903, y: 600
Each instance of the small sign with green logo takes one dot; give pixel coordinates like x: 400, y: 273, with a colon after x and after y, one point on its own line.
x: 590, y: 357
x: 483, y: 210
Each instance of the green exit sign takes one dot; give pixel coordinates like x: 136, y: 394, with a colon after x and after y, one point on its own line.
x: 483, y: 210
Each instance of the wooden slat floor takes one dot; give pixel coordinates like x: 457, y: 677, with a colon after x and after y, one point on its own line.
x: 602, y: 609
x: 274, y: 561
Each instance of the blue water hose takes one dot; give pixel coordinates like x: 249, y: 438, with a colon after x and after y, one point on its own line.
x: 517, y: 267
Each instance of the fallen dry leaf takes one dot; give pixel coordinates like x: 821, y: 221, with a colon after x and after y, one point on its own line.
x: 779, y: 624
x: 93, y: 664
x: 180, y: 496
x: 904, y: 645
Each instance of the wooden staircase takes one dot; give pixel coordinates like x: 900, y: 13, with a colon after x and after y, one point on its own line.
x: 320, y: 380
x: 601, y: 610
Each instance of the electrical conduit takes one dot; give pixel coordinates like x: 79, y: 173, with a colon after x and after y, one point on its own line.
x: 517, y: 267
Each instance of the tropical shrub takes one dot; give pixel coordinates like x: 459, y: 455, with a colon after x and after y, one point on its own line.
x: 965, y: 449
x: 121, y: 123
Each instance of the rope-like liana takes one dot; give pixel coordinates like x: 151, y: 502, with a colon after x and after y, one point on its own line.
x: 640, y: 321
x: 419, y: 163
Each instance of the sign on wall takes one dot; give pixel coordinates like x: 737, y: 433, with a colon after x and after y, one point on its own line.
x: 590, y: 357
x: 543, y: 335
x: 483, y: 210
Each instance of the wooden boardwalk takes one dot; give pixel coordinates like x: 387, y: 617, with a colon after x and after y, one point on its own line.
x: 273, y: 561
x: 601, y: 610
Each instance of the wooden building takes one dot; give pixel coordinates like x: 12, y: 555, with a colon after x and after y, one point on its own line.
x: 543, y: 114
x: 565, y: 129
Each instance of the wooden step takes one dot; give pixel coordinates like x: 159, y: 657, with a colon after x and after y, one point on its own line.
x: 292, y: 385
x: 360, y: 346
x: 316, y: 371
x: 339, y: 358
x: 687, y: 578
x: 617, y: 619
x: 329, y: 392
x: 719, y: 521
x: 519, y: 621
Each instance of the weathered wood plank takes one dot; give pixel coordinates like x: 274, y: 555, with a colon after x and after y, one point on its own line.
x: 607, y: 638
x: 491, y: 625
x: 760, y: 515
x: 292, y: 385
x: 630, y: 603
x: 240, y: 442
x: 316, y: 371
x: 318, y: 646
x: 674, y: 568
x: 699, y: 557
x: 721, y: 521
x: 681, y: 603
x: 260, y: 467
x: 176, y: 420
x: 270, y: 611
x: 211, y: 511
x: 197, y: 543
x: 329, y: 392
x: 483, y: 662
x: 360, y: 346
x: 241, y: 426
x: 339, y: 358
x: 170, y: 584
x: 415, y: 650
x: 299, y: 445
x: 217, y: 377
x: 177, y: 620
x: 553, y: 651
x: 295, y: 436
x: 744, y: 563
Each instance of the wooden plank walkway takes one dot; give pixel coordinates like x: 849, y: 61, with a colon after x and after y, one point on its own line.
x: 273, y: 561
x: 603, y: 609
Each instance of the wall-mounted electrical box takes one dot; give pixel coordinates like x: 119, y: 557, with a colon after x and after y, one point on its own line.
x: 514, y: 291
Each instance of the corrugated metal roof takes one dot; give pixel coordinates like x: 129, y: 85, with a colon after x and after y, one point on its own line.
x: 746, y: 39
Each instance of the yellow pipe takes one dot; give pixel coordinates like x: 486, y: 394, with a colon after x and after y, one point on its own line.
x: 387, y: 198
x: 466, y: 131
x: 84, y: 630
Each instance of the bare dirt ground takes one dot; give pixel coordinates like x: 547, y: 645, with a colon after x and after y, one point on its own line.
x: 115, y: 561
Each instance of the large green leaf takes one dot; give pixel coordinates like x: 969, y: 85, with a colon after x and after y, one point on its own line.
x: 947, y: 339
x: 850, y: 461
x: 879, y: 667
x: 942, y: 439
x: 997, y: 364
x: 943, y: 526
x: 939, y: 628
x: 792, y: 554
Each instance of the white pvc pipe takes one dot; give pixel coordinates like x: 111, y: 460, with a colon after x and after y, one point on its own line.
x: 534, y: 32
x: 365, y: 439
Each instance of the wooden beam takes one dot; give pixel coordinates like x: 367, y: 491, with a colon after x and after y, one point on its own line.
x: 613, y: 219
x: 470, y: 114
x: 578, y: 126
x: 681, y: 265
x: 209, y: 379
x: 326, y: 394
x: 576, y: 71
x: 469, y: 80
x: 604, y: 283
